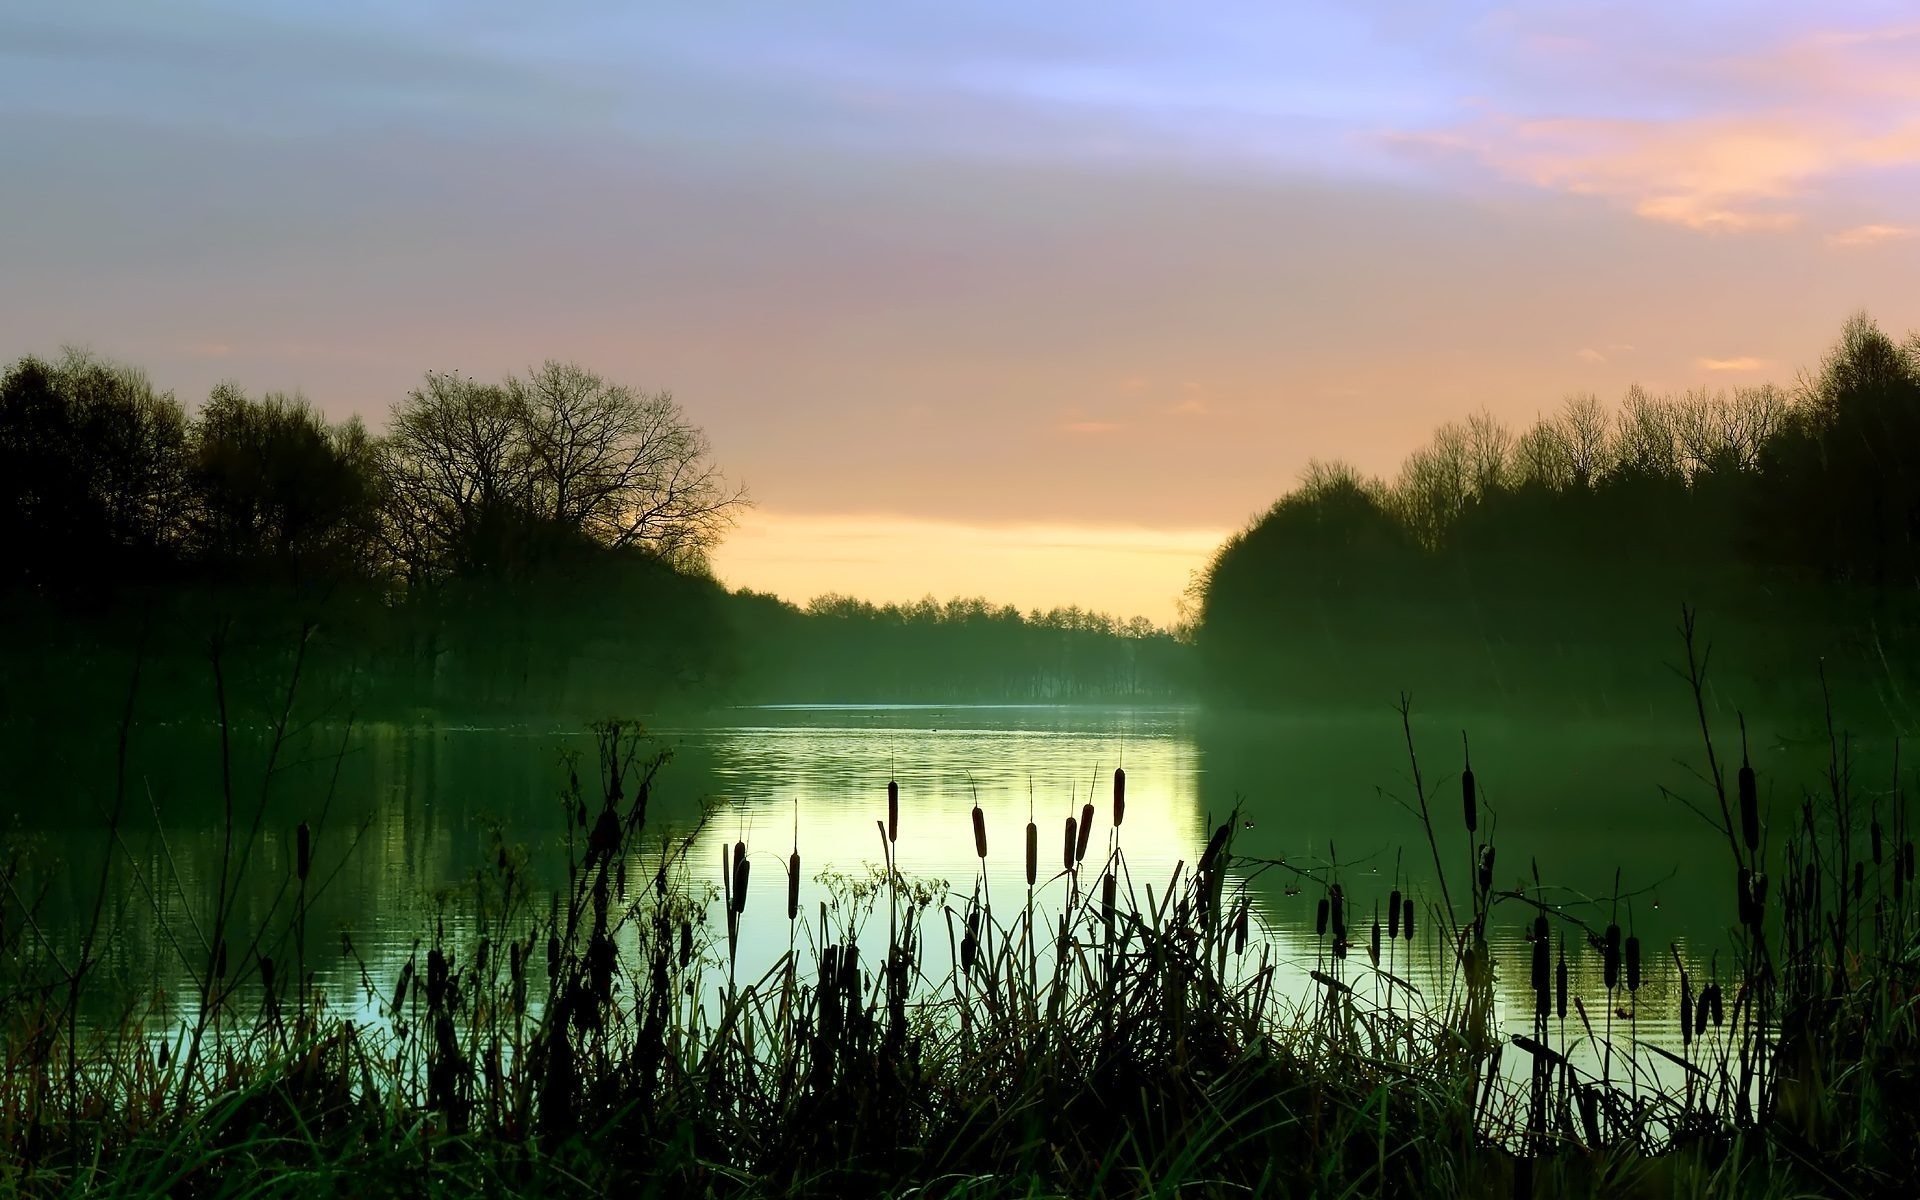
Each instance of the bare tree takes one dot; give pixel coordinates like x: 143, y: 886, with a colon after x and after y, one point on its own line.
x: 624, y: 467
x: 1647, y: 437
x: 1435, y: 484
x: 484, y: 477
x: 1489, y: 449
x: 1583, y: 427
x: 457, y: 473
x: 1541, y: 456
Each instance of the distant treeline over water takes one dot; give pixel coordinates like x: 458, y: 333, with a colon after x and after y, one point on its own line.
x: 535, y: 546
x: 1546, y: 567
x: 538, y: 545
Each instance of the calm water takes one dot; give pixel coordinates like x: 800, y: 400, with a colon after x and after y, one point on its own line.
x: 405, y: 816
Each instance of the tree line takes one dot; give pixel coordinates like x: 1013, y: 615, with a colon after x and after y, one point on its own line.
x: 540, y: 541
x: 103, y: 476
x: 1549, y: 563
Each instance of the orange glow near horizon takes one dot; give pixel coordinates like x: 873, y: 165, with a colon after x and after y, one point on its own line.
x: 1131, y: 571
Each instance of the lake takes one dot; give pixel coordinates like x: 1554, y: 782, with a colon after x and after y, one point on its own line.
x: 405, y: 814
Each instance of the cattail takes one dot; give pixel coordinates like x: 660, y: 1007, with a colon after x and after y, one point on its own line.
x: 741, y: 869
x: 1686, y: 1011
x: 1406, y: 918
x: 686, y: 943
x: 1033, y: 852
x: 1066, y: 850
x: 1109, y: 893
x: 1119, y: 796
x: 1339, y: 915
x: 1216, y: 845
x: 1240, y: 932
x: 979, y: 833
x: 793, y: 886
x: 1541, y: 932
x: 1560, y: 982
x: 1086, y: 830
x: 1486, y: 868
x: 1469, y: 793
x: 1542, y: 976
x: 1713, y: 992
x: 1633, y: 964
x: 400, y: 987
x: 893, y: 811
x: 1749, y: 808
x: 1759, y: 887
x: 1393, y: 914
x: 302, y: 851
x: 1373, y: 942
x: 1700, y: 1008
x: 1320, y: 919
x: 1610, y: 957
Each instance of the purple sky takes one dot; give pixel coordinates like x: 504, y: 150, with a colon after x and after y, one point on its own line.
x: 941, y: 274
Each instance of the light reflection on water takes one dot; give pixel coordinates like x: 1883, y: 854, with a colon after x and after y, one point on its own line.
x: 413, y: 807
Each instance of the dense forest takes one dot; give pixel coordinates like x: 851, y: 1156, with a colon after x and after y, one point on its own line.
x: 1547, y: 567
x: 535, y: 546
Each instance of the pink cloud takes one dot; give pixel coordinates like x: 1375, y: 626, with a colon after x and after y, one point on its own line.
x: 1743, y: 363
x: 1871, y: 235
x: 1788, y: 122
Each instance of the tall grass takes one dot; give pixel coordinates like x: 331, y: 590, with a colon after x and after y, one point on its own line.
x: 1104, y: 1034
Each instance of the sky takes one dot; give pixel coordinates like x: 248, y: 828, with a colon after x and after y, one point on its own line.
x: 1034, y: 301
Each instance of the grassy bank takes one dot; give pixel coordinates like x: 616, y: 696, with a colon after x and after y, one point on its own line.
x: 1093, y: 1033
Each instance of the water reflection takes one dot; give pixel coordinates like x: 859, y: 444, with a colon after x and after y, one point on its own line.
x: 407, y: 815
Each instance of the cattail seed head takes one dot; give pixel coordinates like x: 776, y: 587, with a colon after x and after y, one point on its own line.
x: 1469, y: 799
x: 1072, y: 839
x: 1560, y: 983
x: 1339, y: 914
x: 1713, y: 992
x: 893, y: 811
x: 1406, y: 918
x: 742, y: 868
x: 1749, y: 808
x: 793, y: 886
x: 1542, y: 977
x: 302, y: 851
x: 1240, y: 931
x: 1610, y: 957
x: 1119, y: 796
x: 1700, y: 1010
x: 1085, y: 832
x: 1033, y: 853
x: 1486, y: 868
x: 979, y: 833
x: 1320, y: 919
x: 1686, y: 1010
x: 1109, y: 894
